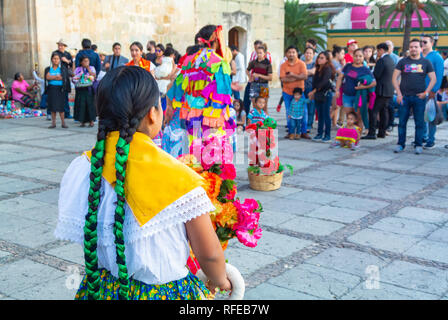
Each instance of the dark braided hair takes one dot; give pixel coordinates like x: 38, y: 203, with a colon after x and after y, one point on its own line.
x: 205, y: 33
x: 124, y: 98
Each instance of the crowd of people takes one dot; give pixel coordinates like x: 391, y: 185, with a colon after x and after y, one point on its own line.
x: 373, y: 84
x: 360, y: 89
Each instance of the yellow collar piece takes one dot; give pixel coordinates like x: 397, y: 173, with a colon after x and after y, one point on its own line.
x: 154, y: 179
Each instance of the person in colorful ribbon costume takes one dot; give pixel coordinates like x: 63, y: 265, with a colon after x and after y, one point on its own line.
x: 201, y: 94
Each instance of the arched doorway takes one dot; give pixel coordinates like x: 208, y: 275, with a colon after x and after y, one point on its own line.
x: 238, y: 37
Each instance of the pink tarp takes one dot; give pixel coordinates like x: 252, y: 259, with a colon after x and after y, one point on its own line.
x: 359, y: 16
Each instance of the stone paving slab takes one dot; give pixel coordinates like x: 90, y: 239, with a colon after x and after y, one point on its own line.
x: 431, y: 250
x: 415, y: 277
x: 275, y: 244
x: 313, y: 226
x: 337, y: 214
x: 424, y: 215
x: 317, y: 281
x: 405, y: 227
x: 268, y: 291
x: 72, y: 252
x: 387, y: 292
x: 25, y: 274
x: 384, y: 240
x: 336, y: 258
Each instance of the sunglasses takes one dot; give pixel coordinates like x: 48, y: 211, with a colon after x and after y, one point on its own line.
x: 158, y: 50
x: 424, y: 41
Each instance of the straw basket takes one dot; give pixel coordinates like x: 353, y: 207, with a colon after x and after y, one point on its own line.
x: 265, y: 183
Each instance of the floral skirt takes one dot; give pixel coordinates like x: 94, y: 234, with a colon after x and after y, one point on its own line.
x: 188, y: 288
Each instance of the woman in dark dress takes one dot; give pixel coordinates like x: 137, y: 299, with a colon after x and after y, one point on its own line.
x: 55, y: 84
x: 84, y: 100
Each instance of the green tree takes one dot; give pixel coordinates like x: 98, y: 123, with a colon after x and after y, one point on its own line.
x: 405, y: 9
x: 302, y: 23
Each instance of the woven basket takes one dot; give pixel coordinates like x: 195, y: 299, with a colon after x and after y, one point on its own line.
x: 265, y: 183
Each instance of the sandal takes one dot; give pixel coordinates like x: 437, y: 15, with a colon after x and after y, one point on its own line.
x: 52, y: 126
x: 91, y: 125
x: 64, y: 126
x: 83, y: 125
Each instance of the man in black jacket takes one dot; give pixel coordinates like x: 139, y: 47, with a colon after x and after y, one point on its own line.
x: 383, y: 72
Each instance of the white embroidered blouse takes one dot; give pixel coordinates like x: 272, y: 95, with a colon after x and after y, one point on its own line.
x: 155, y: 253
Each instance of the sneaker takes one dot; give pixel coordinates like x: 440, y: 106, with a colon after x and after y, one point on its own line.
x: 424, y: 141
x: 318, y: 137
x: 429, y: 145
x: 326, y: 139
x: 291, y: 137
x: 297, y: 137
x: 418, y: 150
x: 305, y: 136
x: 399, y: 149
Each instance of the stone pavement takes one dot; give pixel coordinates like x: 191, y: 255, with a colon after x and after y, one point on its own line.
x: 365, y: 224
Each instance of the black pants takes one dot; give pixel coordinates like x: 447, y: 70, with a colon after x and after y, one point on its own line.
x: 381, y: 107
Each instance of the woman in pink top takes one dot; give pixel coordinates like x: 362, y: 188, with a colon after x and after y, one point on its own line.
x: 22, y: 91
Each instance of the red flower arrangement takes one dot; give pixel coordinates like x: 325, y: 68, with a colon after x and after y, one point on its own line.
x: 262, y: 144
x: 231, y: 219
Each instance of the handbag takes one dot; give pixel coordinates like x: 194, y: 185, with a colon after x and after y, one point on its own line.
x: 438, y: 119
x: 264, y: 92
x: 320, y: 96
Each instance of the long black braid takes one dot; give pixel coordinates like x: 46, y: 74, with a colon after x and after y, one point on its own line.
x: 124, y: 98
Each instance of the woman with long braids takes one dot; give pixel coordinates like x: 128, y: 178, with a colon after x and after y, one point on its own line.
x: 201, y: 95
x: 135, y: 208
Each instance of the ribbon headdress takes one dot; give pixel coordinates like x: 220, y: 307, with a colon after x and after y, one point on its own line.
x: 222, y: 49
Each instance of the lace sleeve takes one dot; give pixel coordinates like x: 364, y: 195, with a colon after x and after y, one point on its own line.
x: 73, y: 206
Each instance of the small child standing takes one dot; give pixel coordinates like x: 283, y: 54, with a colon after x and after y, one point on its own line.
x: 296, y: 114
x: 349, y: 135
x: 240, y: 115
x: 257, y: 113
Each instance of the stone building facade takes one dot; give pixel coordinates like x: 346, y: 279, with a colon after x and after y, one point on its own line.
x: 30, y: 28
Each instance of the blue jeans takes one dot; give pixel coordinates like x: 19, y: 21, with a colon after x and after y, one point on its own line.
x: 287, y: 98
x: 323, y: 113
x: 311, y: 109
x: 429, y: 132
x: 295, y: 126
x: 43, y: 102
x: 236, y: 94
x: 418, y: 108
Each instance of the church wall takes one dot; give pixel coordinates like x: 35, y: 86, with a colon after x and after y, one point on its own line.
x: 107, y: 21
x: 266, y: 22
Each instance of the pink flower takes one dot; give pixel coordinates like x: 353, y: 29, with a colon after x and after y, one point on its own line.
x: 228, y: 172
x: 247, y: 217
x: 249, y: 237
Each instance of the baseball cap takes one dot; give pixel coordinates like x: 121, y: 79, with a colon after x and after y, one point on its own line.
x: 349, y: 42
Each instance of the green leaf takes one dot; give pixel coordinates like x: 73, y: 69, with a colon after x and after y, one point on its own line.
x: 216, y: 169
x: 291, y: 168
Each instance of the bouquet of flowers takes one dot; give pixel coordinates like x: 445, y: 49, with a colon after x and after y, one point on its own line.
x: 263, y: 158
x: 232, y: 218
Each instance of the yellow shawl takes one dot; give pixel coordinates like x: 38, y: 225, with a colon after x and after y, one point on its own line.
x: 154, y: 179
